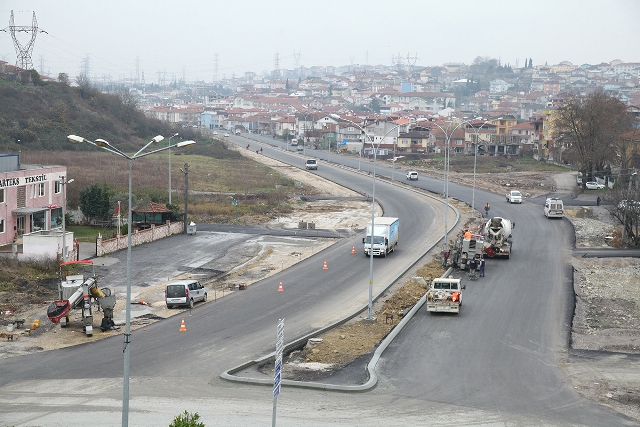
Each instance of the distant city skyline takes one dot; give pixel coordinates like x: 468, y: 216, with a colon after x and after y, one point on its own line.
x: 206, y: 40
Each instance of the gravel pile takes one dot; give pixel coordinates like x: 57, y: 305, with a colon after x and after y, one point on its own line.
x: 607, y: 290
x: 591, y: 232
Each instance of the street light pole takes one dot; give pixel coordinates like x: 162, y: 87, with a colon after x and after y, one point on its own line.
x: 105, y: 145
x: 64, y: 182
x: 447, y: 156
x: 475, y: 157
x: 170, y: 165
x: 373, y: 207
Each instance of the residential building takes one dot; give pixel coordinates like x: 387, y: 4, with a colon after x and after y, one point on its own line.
x: 413, y: 142
x: 31, y: 200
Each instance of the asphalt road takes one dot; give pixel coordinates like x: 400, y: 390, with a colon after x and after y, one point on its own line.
x: 497, y: 363
x: 220, y: 333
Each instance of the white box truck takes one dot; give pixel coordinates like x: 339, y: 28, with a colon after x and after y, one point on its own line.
x: 385, y: 236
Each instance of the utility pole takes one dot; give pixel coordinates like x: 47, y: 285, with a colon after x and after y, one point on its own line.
x: 186, y: 194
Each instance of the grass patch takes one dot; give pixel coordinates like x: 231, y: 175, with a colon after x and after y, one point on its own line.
x: 214, y: 182
x: 85, y: 233
x: 488, y: 164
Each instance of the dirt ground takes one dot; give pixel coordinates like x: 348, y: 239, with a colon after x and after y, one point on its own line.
x: 607, y: 291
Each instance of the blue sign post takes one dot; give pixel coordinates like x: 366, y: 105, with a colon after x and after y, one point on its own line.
x: 277, y: 376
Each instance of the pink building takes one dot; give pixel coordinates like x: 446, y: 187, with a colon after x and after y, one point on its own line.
x: 31, y: 200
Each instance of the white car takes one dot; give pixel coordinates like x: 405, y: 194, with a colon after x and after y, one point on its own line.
x: 184, y: 292
x: 215, y: 132
x: 592, y: 185
x: 311, y: 164
x: 412, y: 176
x: 226, y: 135
x: 514, y: 196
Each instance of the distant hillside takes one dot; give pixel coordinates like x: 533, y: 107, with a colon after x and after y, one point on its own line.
x: 40, y: 115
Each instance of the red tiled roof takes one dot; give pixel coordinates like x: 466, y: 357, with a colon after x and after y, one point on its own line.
x: 152, y: 208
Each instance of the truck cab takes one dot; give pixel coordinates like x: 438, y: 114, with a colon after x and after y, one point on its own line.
x: 382, y: 238
x: 445, y: 295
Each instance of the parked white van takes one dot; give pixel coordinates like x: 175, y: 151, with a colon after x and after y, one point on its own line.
x: 184, y: 292
x: 553, y: 208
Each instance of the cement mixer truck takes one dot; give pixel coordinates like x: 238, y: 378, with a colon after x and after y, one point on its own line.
x: 498, y: 239
x: 81, y: 292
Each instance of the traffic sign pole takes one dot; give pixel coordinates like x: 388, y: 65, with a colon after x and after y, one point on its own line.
x: 277, y: 376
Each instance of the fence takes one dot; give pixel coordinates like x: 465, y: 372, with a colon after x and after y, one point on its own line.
x: 106, y: 246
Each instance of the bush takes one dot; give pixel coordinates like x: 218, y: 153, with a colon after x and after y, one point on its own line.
x: 187, y: 420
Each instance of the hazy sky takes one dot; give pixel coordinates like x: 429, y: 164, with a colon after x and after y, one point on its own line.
x: 184, y: 36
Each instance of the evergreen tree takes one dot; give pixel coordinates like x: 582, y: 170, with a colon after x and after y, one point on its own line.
x: 94, y: 202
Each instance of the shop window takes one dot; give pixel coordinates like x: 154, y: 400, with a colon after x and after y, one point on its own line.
x: 56, y: 218
x: 38, y: 221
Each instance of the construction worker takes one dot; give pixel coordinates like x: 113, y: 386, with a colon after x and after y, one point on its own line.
x: 445, y: 258
x: 467, y: 234
x: 486, y: 209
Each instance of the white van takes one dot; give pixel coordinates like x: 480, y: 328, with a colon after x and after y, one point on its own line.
x: 294, y: 142
x: 553, y: 208
x: 184, y: 292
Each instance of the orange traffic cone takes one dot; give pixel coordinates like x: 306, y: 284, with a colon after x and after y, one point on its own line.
x: 353, y: 250
x: 280, y: 287
x: 325, y: 265
x: 183, y: 328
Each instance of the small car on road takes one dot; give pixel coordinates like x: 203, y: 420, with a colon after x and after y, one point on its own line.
x: 412, y: 176
x: 226, y: 135
x: 514, y: 196
x: 311, y: 164
x: 184, y: 293
x: 592, y: 185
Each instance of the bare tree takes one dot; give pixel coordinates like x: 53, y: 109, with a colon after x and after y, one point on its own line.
x: 591, y: 127
x: 84, y: 85
x: 624, y: 206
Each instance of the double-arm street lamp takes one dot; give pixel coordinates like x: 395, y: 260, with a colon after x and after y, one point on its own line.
x: 101, y: 143
x: 305, y: 115
x: 304, y: 147
x: 373, y: 203
x: 475, y: 156
x: 448, y: 133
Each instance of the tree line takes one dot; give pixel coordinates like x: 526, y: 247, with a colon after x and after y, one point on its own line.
x: 600, y: 136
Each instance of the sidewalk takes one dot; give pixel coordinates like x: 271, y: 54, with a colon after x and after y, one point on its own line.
x: 87, y: 250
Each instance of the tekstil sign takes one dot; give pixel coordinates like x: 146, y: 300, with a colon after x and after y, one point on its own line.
x: 16, y: 181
